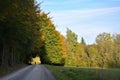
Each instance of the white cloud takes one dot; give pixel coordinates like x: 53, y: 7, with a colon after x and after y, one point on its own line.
x: 63, y: 2
x: 87, y: 23
x: 80, y: 17
x: 83, y: 14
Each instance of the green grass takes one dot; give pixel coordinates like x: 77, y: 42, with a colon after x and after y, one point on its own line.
x: 72, y: 73
x: 6, y: 70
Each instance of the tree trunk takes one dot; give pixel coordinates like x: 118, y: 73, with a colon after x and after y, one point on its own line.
x: 5, y: 55
x: 11, y: 51
x: 1, y: 50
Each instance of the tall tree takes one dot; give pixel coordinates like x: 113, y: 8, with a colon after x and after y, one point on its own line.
x: 81, y: 56
x: 115, y: 56
x: 83, y: 41
x: 52, y: 50
x: 18, y: 30
x: 71, y: 44
x: 105, y: 48
x: 93, y: 56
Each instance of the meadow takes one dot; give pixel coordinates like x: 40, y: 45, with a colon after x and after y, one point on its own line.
x: 73, y: 73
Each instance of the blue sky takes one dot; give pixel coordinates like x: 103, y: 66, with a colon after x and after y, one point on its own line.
x: 87, y: 18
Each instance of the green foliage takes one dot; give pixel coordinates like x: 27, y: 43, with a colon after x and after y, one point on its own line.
x: 115, y: 61
x: 18, y: 29
x: 71, y: 46
x: 108, y: 48
x: 94, y: 57
x: 105, y: 48
x: 72, y: 73
x: 83, y: 41
x: 26, y: 32
x: 53, y: 53
x: 105, y: 53
x: 81, y: 56
x: 76, y: 55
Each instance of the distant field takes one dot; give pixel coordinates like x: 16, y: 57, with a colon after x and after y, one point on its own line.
x: 71, y: 73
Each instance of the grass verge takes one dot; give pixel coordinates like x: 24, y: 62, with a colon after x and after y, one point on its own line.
x: 6, y: 70
x: 72, y: 73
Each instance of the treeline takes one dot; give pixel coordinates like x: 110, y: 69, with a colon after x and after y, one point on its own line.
x: 19, y: 30
x: 26, y: 31
x: 105, y: 53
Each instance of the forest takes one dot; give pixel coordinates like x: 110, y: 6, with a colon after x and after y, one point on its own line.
x: 27, y: 31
